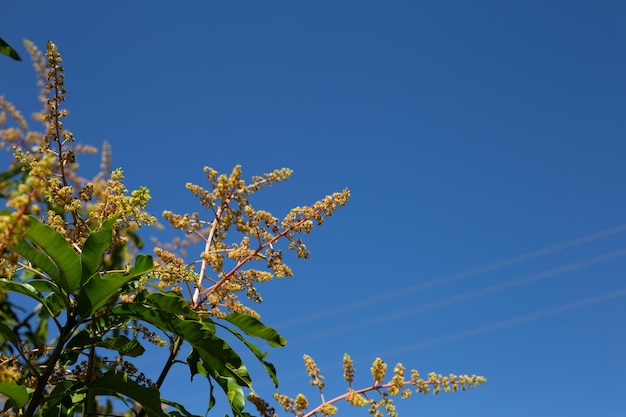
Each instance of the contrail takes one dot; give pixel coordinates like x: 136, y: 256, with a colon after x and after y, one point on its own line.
x: 528, y: 279
x: 504, y: 324
x: 488, y: 328
x: 446, y: 279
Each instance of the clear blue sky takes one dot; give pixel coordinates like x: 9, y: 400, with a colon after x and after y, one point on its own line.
x: 473, y: 135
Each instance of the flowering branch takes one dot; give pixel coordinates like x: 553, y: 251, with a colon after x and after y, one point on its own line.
x: 434, y: 383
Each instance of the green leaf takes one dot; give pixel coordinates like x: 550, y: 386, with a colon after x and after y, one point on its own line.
x: 253, y: 327
x: 269, y: 367
x: 102, y: 286
x: 32, y: 289
x: 113, y: 383
x: 7, y: 50
x: 59, y: 251
x: 234, y: 393
x: 196, y: 367
x: 123, y: 345
x: 22, y: 288
x: 63, y: 399
x: 38, y: 259
x: 7, y: 333
x: 221, y: 362
x: 55, y: 303
x: 43, y: 285
x: 179, y: 407
x: 143, y: 264
x: 195, y: 364
x: 94, y: 247
x: 172, y: 302
x: 15, y: 392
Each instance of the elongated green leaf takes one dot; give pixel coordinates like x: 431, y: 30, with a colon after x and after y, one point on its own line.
x: 234, y: 393
x: 94, y: 247
x: 114, y: 383
x: 183, y: 411
x: 98, y: 290
x: 43, y: 286
x: 27, y: 289
x: 253, y: 327
x: 219, y: 359
x: 197, y: 333
x: 55, y: 245
x: 143, y: 264
x: 269, y: 367
x: 171, y: 302
x: 7, y: 50
x: 195, y: 364
x: 22, y: 288
x: 38, y: 259
x: 196, y: 367
x: 123, y: 345
x: 102, y: 286
x: 7, y: 333
x: 15, y: 392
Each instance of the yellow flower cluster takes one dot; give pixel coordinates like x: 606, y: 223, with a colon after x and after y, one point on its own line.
x: 226, y: 266
x: 262, y: 406
x: 437, y: 382
x: 52, y: 185
x: 385, y: 391
x: 9, y: 371
x: 317, y: 380
x: 379, y: 369
x: 292, y: 405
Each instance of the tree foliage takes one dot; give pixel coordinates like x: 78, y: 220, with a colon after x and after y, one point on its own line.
x: 79, y: 301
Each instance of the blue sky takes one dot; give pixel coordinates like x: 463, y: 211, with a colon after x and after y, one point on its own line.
x: 483, y: 143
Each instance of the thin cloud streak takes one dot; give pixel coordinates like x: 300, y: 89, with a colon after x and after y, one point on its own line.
x: 447, y: 279
x: 505, y: 324
x: 445, y: 302
x: 488, y: 328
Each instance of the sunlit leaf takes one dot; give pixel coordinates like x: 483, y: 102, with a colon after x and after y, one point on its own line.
x: 38, y: 259
x: 269, y: 367
x: 43, y: 286
x: 253, y: 327
x: 15, y: 392
x: 102, y: 286
x: 22, y: 288
x: 59, y: 251
x: 94, y: 247
x: 172, y: 302
x: 221, y: 362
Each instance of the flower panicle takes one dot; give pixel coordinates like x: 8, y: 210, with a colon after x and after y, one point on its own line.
x: 399, y: 384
